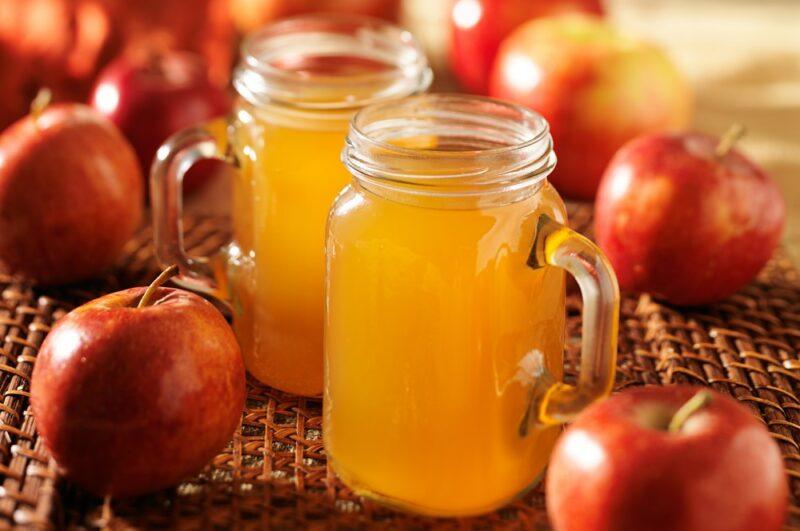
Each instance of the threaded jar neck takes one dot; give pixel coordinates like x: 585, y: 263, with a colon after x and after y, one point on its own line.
x: 330, y: 63
x: 449, y: 144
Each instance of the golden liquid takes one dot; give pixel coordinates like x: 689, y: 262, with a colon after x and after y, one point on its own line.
x: 288, y: 179
x: 436, y: 331
x: 290, y: 173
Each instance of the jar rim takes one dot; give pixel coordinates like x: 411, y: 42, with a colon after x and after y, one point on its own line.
x: 542, y: 127
x: 259, y: 80
x: 460, y: 144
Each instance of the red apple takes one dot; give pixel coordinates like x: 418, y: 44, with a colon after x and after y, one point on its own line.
x: 682, y: 220
x: 595, y: 86
x: 640, y: 460
x: 479, y: 26
x: 152, y: 94
x: 70, y: 194
x: 132, y: 398
x: 62, y: 44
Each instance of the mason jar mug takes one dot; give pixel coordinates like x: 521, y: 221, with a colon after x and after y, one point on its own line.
x: 299, y: 83
x: 445, y: 315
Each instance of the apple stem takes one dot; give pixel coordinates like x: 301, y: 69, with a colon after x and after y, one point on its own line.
x: 107, y: 513
x: 700, y: 400
x: 40, y: 102
x: 160, y: 279
x: 729, y: 139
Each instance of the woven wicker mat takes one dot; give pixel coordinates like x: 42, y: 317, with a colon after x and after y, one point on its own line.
x: 274, y: 473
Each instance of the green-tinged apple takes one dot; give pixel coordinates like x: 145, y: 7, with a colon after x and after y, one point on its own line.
x: 674, y: 458
x: 687, y: 217
x: 137, y: 390
x: 597, y: 87
x: 70, y: 194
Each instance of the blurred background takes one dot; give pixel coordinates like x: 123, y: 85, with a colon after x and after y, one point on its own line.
x: 741, y: 57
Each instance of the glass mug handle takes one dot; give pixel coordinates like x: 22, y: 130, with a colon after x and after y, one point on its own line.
x: 556, y: 245
x: 173, y: 159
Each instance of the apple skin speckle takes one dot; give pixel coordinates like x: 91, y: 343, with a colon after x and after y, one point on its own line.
x: 131, y: 400
x: 617, y: 468
x: 688, y: 226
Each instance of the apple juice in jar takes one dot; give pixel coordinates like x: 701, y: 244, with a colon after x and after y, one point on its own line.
x: 445, y: 316
x: 299, y: 83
